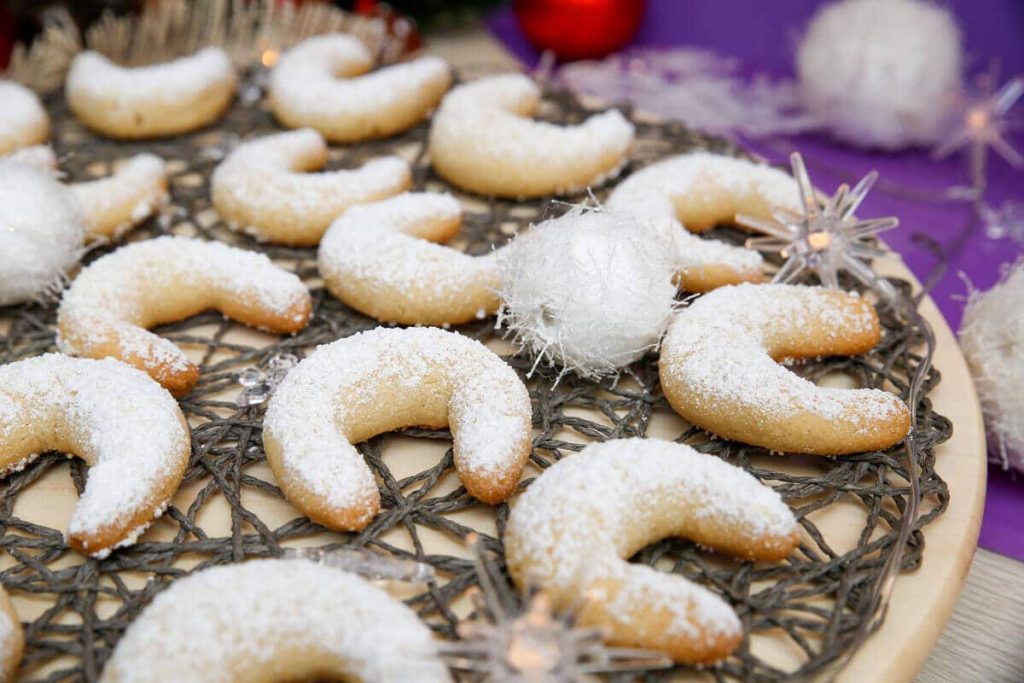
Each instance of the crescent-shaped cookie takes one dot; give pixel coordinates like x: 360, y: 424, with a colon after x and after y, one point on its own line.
x: 153, y: 101
x: 23, y: 122
x: 127, y: 428
x: 702, y: 190
x: 385, y: 379
x: 111, y: 206
x: 12, y: 639
x: 265, y: 621
x: 264, y: 190
x: 718, y: 370
x: 381, y: 260
x: 322, y: 83
x: 110, y: 304
x: 571, y: 532
x: 483, y: 140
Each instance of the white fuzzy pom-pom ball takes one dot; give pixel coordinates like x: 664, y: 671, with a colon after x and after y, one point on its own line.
x: 590, y: 292
x: 992, y: 338
x: 41, y: 233
x: 880, y: 73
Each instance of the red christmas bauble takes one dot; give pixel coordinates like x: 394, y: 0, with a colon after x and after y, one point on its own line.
x: 579, y: 29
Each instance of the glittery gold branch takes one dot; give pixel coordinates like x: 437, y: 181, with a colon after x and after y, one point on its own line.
x: 252, y: 31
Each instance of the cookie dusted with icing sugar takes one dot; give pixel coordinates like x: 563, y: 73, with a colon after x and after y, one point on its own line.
x: 718, y: 370
x: 265, y: 621
x: 153, y: 101
x: 12, y: 638
x: 382, y: 380
x: 483, y: 140
x: 112, y: 206
x: 572, y: 531
x: 381, y: 259
x: 323, y: 83
x: 125, y: 426
x: 698, y: 191
x: 264, y: 190
x: 110, y: 304
x: 23, y: 121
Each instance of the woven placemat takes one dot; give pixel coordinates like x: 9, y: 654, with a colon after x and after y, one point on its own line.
x: 818, y: 599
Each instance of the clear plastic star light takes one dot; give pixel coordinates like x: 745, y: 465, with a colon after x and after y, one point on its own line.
x: 827, y: 238
x: 982, y: 120
x: 528, y: 641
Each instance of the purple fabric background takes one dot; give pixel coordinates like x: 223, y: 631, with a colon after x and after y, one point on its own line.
x: 764, y: 35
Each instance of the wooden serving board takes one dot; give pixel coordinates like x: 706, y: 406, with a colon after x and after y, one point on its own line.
x: 922, y: 600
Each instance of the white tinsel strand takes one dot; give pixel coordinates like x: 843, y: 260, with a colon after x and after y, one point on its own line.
x: 589, y: 292
x: 880, y: 73
x: 992, y: 338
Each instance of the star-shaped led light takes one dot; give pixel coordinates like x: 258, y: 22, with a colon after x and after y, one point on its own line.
x: 981, y: 122
x: 529, y: 641
x: 827, y: 238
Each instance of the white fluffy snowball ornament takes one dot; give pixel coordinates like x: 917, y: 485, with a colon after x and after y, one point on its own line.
x: 992, y: 338
x: 590, y: 291
x: 880, y: 73
x: 41, y: 233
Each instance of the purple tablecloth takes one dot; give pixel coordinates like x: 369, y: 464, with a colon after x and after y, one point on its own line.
x: 764, y: 35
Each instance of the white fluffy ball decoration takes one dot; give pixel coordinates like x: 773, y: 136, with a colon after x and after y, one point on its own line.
x: 590, y: 291
x: 880, y: 73
x: 41, y: 233
x: 992, y: 338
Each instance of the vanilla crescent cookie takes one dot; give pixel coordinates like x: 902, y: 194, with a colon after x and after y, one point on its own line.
x: 23, y: 121
x: 718, y: 370
x: 12, y: 638
x: 153, y: 101
x: 125, y: 426
x: 263, y: 189
x: 385, y: 379
x: 322, y: 83
x: 381, y: 260
x: 264, y: 621
x: 112, y: 206
x: 702, y: 190
x: 110, y: 304
x: 573, y: 529
x: 483, y: 140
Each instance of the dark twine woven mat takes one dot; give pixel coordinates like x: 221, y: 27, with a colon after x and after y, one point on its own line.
x: 818, y: 598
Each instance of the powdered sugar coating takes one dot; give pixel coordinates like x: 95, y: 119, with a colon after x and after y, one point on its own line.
x: 718, y: 349
x: 23, y: 121
x: 701, y: 189
x: 571, y: 531
x: 112, y: 301
x: 114, y: 205
x: 320, y: 83
x: 275, y: 620
x: 261, y: 188
x: 146, y: 101
x: 124, y: 425
x: 377, y: 258
x: 40, y: 156
x: 384, y: 379
x: 482, y: 140
x: 41, y: 233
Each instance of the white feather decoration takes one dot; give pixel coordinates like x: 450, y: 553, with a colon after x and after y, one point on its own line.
x: 992, y: 338
x: 41, y: 233
x: 880, y: 73
x: 589, y: 292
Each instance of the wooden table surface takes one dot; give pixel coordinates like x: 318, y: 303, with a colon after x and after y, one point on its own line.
x: 984, y: 638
